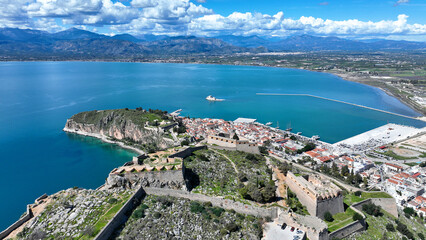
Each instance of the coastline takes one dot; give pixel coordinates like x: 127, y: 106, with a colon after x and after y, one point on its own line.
x: 104, y: 139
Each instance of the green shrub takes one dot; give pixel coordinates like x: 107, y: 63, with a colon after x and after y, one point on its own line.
x: 196, y: 207
x: 372, y: 209
x: 112, y: 201
x: 357, y: 217
x: 358, y: 193
x: 217, y: 211
x: 390, y: 227
x: 328, y: 217
x: 138, y: 213
x: 156, y: 215
x: 223, y: 231
x: 232, y: 227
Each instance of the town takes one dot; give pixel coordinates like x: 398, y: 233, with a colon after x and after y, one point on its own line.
x: 390, y: 158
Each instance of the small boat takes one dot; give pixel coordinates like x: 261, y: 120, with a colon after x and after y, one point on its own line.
x: 298, y: 133
x: 213, y: 99
x: 268, y: 124
x: 315, y: 137
x: 289, y: 129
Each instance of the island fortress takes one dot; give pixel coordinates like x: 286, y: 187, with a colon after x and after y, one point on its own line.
x: 316, y: 193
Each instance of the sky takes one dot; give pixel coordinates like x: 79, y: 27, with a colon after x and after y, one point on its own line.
x: 355, y: 19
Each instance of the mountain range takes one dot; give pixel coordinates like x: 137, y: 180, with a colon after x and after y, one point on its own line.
x: 80, y: 44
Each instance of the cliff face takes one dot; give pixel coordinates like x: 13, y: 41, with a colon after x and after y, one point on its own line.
x: 117, y: 124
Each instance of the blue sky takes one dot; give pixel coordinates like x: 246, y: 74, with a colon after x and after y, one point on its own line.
x: 362, y: 19
x: 373, y: 10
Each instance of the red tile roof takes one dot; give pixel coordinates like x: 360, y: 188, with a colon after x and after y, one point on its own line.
x: 393, y: 181
x: 324, y: 159
x: 394, y: 165
x: 416, y: 175
x: 313, y: 154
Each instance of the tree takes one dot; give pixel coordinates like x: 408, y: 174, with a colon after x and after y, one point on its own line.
x: 372, y: 209
x: 184, y: 143
x: 421, y: 236
x: 328, y: 217
x: 284, y: 168
x: 357, y: 217
x: 365, y: 181
x: 235, y: 137
x: 344, y: 171
x: 409, y: 211
x: 358, y: 193
x: 263, y: 150
x: 268, y: 192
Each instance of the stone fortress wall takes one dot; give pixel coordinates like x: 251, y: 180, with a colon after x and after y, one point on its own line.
x: 123, y: 214
x: 160, y: 176
x: 27, y: 216
x: 232, y: 144
x: 318, y: 195
x: 216, y: 201
x: 355, y: 226
x: 387, y: 204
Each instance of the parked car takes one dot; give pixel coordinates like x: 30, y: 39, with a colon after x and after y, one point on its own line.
x: 283, y: 226
x: 292, y: 229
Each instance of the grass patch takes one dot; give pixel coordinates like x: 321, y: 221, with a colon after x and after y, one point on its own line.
x: 393, y: 155
x: 350, y: 199
x: 367, y: 195
x: 411, y: 164
x: 340, y: 220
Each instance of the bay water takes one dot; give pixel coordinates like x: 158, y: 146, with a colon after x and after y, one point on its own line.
x: 36, y: 98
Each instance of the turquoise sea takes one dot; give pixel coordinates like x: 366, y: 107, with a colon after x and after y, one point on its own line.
x: 36, y: 98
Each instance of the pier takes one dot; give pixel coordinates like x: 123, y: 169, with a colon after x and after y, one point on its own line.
x: 335, y: 100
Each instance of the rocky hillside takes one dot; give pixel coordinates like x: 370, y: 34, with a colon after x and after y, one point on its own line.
x: 176, y: 218
x: 75, y: 214
x: 137, y: 128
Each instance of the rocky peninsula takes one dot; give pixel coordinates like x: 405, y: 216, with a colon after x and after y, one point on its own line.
x: 136, y: 129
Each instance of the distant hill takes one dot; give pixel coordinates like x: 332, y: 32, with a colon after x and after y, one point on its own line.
x: 75, y: 33
x: 314, y: 43
x: 80, y: 44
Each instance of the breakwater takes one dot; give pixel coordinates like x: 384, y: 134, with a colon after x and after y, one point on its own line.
x: 334, y: 100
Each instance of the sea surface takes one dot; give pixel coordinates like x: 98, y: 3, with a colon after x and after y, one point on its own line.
x: 36, y: 98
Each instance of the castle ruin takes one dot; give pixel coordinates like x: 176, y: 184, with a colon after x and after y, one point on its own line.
x: 318, y: 194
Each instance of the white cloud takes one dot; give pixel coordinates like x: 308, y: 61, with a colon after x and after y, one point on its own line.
x: 185, y: 17
x: 401, y: 2
x: 277, y: 25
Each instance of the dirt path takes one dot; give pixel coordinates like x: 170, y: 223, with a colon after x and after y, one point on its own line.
x: 232, y: 163
x: 281, y: 188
